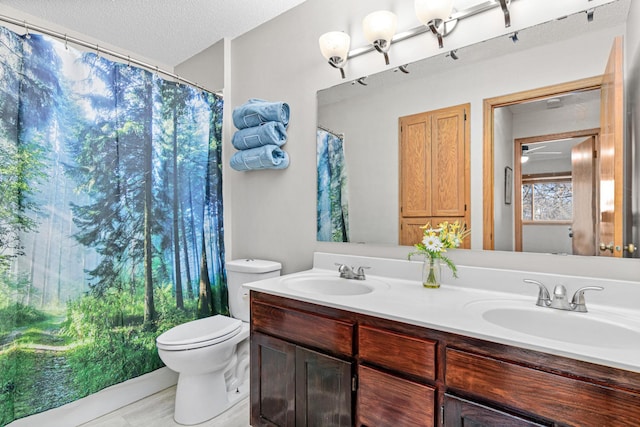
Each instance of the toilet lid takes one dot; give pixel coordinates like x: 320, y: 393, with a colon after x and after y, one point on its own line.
x: 210, y: 329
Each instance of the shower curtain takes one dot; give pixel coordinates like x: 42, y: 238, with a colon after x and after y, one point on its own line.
x: 110, y: 219
x: 332, y: 204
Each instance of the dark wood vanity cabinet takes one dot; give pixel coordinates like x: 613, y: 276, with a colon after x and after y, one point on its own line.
x: 302, y: 371
x: 313, y: 365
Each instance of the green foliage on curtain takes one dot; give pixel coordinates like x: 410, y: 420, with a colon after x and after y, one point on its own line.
x: 332, y: 203
x: 110, y: 220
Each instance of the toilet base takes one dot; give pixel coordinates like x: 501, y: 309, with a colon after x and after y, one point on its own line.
x: 202, y: 397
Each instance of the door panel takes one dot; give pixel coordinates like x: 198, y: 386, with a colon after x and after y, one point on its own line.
x: 416, y: 165
x: 323, y: 390
x: 273, y: 399
x: 448, y: 148
x: 611, y: 148
x: 584, y: 209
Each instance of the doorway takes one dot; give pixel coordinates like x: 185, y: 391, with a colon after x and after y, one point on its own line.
x: 555, y: 177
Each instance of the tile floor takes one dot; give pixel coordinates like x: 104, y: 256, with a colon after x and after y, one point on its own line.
x: 157, y: 411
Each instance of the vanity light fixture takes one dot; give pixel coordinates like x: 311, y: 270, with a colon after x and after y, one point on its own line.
x: 433, y: 14
x: 379, y: 28
x: 438, y: 17
x: 334, y: 46
x: 590, y: 14
x: 361, y: 80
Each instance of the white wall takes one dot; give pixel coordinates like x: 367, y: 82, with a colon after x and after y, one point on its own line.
x: 205, y: 68
x: 503, y: 214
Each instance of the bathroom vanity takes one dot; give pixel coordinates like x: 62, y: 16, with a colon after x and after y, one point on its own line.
x: 401, y: 355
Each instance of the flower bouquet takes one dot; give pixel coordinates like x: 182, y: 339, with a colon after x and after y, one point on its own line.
x: 434, y: 244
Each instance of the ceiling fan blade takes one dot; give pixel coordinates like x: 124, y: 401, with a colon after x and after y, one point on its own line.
x: 546, y: 152
x: 526, y: 149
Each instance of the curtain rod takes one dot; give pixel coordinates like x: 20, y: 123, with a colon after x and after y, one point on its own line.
x: 338, y: 134
x: 98, y: 49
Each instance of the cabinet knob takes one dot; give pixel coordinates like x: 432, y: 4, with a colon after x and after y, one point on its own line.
x: 631, y: 248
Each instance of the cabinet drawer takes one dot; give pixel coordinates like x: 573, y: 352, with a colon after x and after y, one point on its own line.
x: 385, y: 400
x: 334, y: 336
x: 560, y: 398
x: 461, y: 413
x: 398, y: 352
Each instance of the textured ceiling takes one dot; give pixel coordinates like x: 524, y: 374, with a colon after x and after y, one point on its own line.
x: 168, y: 31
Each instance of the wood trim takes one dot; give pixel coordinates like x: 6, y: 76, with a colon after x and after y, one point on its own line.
x: 489, y: 105
x: 560, y: 135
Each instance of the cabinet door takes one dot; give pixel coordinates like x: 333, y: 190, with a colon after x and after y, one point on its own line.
x: 448, y: 145
x: 272, y: 381
x: 434, y: 169
x: 323, y: 390
x: 415, y: 165
x: 462, y: 413
x: 385, y: 400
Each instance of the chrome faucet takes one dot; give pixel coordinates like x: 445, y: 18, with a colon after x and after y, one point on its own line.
x: 347, y: 272
x: 559, y: 300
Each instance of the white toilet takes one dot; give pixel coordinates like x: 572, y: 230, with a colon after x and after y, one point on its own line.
x: 211, y: 355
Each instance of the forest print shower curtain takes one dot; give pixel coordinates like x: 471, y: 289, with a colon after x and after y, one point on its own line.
x: 332, y: 202
x: 110, y: 220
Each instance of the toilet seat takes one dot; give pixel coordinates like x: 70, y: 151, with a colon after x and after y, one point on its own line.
x: 199, y: 333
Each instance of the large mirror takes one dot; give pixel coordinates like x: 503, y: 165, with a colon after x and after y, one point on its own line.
x: 363, y: 114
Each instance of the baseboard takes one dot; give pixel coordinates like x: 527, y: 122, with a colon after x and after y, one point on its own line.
x: 102, y: 402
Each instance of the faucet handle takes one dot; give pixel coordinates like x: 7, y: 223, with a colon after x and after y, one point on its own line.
x: 544, y: 299
x: 360, y: 272
x: 345, y: 271
x: 578, y: 302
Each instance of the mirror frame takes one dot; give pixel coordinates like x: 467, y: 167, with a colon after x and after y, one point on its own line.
x: 489, y: 105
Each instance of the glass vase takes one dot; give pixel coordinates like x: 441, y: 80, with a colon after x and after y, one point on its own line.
x: 431, y: 273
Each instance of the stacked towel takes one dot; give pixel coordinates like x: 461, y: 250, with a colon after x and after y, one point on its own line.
x: 258, y: 111
x: 261, y: 132
x: 265, y: 157
x: 273, y: 133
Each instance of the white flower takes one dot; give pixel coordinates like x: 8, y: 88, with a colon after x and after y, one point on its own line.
x: 432, y: 243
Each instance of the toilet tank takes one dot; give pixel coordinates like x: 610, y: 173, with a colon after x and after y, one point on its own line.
x: 241, y: 271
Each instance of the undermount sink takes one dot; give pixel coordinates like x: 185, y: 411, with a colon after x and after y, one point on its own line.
x: 569, y: 327
x: 327, y: 285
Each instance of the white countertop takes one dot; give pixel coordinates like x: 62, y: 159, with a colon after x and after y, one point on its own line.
x: 458, y: 307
